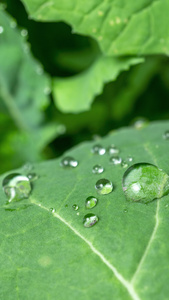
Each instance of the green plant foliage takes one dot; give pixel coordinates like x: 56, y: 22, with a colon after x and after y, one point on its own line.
x: 76, y: 94
x: 24, y: 90
x: 46, y: 252
x: 120, y: 27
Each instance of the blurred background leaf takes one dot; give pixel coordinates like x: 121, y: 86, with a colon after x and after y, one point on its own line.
x: 142, y: 91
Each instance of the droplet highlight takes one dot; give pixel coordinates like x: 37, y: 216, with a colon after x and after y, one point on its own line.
x: 145, y: 182
x: 91, y: 202
x: 97, y: 169
x: 69, y: 161
x: 1, y: 29
x: 89, y: 220
x: 16, y: 187
x: 32, y: 176
x: 104, y: 186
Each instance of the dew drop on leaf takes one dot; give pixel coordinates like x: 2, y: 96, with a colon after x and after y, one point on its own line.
x: 32, y: 176
x: 16, y: 187
x: 69, y: 161
x: 89, y: 220
x: 145, y: 182
x: 113, y: 150
x: 97, y: 169
x: 52, y: 210
x: 104, y: 186
x: 140, y: 122
x: 115, y: 160
x: 24, y: 32
x: 124, y: 164
x: 75, y: 207
x: 1, y: 29
x: 166, y: 135
x: 98, y: 149
x: 91, y: 202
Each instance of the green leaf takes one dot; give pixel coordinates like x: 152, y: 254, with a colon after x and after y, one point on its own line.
x: 76, y: 94
x: 48, y: 255
x: 120, y: 27
x: 24, y: 89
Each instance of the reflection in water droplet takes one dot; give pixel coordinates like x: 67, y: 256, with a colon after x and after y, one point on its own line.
x: 104, y: 186
x: 113, y: 150
x: 97, y: 169
x: 75, y: 207
x: 1, y: 29
x: 98, y: 149
x: 16, y: 187
x: 115, y: 160
x: 91, y: 202
x: 89, y: 220
x: 69, y: 161
x: 24, y: 32
x: 32, y: 176
x: 166, y: 135
x: 145, y: 182
x: 129, y: 159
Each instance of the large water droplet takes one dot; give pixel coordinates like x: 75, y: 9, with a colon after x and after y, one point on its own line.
x: 104, y: 186
x: 145, y: 182
x: 75, y: 207
x: 98, y: 149
x: 113, y: 150
x: 16, y: 187
x: 115, y: 160
x: 89, y: 220
x: 91, y: 202
x: 97, y: 169
x: 166, y: 135
x: 69, y: 161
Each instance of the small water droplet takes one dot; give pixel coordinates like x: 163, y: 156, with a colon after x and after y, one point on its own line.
x: 77, y: 213
x: 24, y: 32
x: 125, y: 210
x: 145, y: 182
x: 27, y: 167
x: 47, y: 90
x: 89, y: 220
x: 52, y: 210
x: 16, y: 187
x: 166, y: 135
x: 32, y: 176
x: 98, y: 149
x: 115, y: 160
x: 69, y: 161
x: 113, y: 150
x: 104, y: 186
x: 13, y: 24
x: 91, y: 202
x: 1, y: 29
x: 75, y: 206
x: 97, y: 169
x: 140, y: 122
x: 129, y: 159
x: 124, y: 164
x: 39, y: 70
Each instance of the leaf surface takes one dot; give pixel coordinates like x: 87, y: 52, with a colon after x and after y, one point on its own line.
x: 120, y: 27
x: 76, y: 94
x: 124, y: 256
